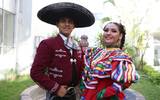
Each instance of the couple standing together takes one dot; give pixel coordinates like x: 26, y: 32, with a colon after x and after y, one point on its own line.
x: 60, y: 64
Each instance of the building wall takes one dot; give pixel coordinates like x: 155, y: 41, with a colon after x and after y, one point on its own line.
x: 9, y: 5
x: 157, y: 54
x: 16, y: 39
x: 152, y: 55
x: 149, y: 54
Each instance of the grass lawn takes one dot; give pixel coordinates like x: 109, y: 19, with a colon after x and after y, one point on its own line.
x: 10, y: 90
x: 149, y: 90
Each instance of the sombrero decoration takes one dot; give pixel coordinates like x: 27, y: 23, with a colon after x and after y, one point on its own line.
x: 80, y: 15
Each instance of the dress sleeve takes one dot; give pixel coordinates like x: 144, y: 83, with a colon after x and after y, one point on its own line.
x: 123, y: 75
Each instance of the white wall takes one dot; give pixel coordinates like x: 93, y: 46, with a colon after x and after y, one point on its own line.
x: 23, y: 37
x: 9, y: 5
x: 21, y: 55
x: 0, y: 3
x: 149, y: 55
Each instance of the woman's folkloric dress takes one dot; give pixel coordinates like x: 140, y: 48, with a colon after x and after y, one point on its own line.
x: 106, y: 74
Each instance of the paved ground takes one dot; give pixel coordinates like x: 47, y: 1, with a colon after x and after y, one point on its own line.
x: 36, y: 93
x: 133, y: 95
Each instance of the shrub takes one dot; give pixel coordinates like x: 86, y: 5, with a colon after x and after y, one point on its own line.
x: 153, y: 75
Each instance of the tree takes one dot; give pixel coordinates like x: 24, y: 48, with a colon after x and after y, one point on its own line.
x: 133, y: 16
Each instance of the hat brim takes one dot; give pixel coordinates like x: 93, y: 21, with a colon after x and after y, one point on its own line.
x: 80, y: 15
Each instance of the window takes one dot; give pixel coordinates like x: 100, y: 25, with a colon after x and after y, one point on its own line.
x: 157, y: 56
x: 6, y: 31
x: 1, y: 29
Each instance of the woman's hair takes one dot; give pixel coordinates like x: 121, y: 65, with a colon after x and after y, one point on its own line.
x: 122, y: 31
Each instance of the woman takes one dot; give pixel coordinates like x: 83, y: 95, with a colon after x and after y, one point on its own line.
x: 108, y: 71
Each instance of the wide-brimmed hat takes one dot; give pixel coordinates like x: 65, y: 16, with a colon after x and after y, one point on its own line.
x: 80, y: 15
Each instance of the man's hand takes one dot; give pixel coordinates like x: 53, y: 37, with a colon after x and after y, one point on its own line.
x: 62, y: 91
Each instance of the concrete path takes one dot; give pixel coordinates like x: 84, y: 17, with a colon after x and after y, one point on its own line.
x: 36, y: 93
x: 133, y: 95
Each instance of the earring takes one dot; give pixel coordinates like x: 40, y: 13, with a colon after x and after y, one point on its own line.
x: 119, y: 42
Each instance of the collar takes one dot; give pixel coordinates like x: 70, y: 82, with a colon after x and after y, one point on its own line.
x: 69, y: 42
x: 63, y: 37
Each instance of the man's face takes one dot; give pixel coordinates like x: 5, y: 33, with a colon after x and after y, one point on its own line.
x: 65, y: 26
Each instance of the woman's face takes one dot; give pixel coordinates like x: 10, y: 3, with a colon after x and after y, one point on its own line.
x: 112, y: 35
x: 65, y: 26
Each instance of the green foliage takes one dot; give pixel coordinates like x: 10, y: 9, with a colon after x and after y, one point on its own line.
x: 11, y: 74
x: 105, y: 19
x: 133, y: 53
x: 153, y: 75
x: 110, y: 1
x: 11, y: 89
x: 99, y: 40
x: 54, y: 33
x: 144, y: 86
x: 130, y: 50
x: 76, y: 38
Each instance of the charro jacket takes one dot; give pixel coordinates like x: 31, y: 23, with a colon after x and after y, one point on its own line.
x: 52, y: 64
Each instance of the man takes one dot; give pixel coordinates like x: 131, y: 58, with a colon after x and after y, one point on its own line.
x: 57, y: 64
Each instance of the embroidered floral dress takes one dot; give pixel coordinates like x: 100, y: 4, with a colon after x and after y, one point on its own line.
x: 106, y: 74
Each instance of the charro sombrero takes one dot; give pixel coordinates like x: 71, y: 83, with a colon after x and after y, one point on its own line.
x: 80, y: 15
